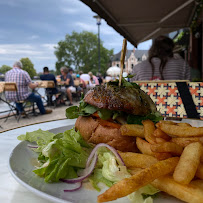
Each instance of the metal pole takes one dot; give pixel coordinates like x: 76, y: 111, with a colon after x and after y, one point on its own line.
x: 99, y: 61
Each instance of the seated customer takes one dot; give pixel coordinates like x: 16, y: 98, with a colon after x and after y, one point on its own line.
x: 162, y: 64
x: 51, y: 91
x: 24, y: 82
x: 67, y: 80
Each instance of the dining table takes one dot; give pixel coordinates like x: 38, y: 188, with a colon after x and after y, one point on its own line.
x: 10, y: 190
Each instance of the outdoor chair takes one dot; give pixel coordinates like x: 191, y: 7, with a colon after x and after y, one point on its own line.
x: 11, y: 86
x: 49, y: 93
x: 176, y: 98
x: 79, y: 89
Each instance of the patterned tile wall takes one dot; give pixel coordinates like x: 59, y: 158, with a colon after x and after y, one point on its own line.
x: 167, y: 97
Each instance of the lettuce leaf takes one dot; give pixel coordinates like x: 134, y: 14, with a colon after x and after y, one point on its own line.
x: 155, y: 117
x: 109, y: 172
x: 60, y: 155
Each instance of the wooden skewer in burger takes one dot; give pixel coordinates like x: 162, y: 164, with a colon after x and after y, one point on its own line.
x: 106, y: 107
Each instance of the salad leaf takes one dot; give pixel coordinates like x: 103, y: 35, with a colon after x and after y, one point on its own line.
x: 124, y: 83
x: 104, y: 114
x: 38, y: 136
x: 72, y: 112
x: 60, y: 155
x: 97, y: 177
x: 155, y: 117
x: 109, y: 172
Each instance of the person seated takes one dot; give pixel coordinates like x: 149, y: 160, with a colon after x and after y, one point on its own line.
x: 100, y: 78
x: 23, y: 82
x: 82, y: 85
x: 93, y: 80
x: 162, y: 64
x: 52, y: 91
x: 108, y: 78
x: 67, y: 81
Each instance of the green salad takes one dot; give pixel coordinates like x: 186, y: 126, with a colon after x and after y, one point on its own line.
x: 64, y: 156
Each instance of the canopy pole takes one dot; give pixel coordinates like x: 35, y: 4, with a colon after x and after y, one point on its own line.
x: 122, y: 60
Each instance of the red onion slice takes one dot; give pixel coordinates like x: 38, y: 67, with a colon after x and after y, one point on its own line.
x: 85, y: 173
x: 113, y: 150
x: 91, y: 163
x: 74, y: 189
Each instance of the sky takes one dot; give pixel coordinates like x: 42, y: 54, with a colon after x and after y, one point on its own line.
x: 32, y: 28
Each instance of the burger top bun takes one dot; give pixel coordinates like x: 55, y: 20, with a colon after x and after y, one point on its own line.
x: 93, y: 132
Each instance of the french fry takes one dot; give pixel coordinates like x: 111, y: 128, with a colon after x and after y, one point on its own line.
x: 149, y: 129
x: 198, y: 183
x: 132, y: 130
x: 189, y: 161
x: 184, y: 141
x: 140, y: 179
x: 167, y: 147
x: 159, y: 140
x: 144, y: 146
x: 158, y: 133
x: 168, y: 122
x: 199, y: 172
x: 184, y: 124
x: 133, y: 171
x: 180, y: 131
x: 162, y: 155
x: 186, y: 193
x: 135, y: 160
x: 201, y: 158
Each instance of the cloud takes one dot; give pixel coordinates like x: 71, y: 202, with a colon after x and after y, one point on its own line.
x: 49, y: 46
x: 33, y: 37
x: 104, y: 29
x: 73, y: 7
x: 12, y: 52
x: 69, y: 10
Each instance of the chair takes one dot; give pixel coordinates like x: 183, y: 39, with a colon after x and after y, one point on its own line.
x: 11, y: 86
x: 49, y: 84
x: 166, y: 95
x: 79, y: 89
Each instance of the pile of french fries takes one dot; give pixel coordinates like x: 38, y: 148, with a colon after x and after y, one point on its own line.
x: 171, y: 160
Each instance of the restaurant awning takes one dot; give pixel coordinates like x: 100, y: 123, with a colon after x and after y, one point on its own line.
x: 140, y: 20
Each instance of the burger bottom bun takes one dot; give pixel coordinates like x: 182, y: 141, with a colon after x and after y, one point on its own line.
x: 93, y: 132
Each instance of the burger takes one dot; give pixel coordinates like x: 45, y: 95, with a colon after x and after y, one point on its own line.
x: 105, y: 108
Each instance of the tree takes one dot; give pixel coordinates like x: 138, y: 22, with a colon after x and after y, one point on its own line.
x: 80, y: 51
x: 4, y: 69
x: 28, y: 66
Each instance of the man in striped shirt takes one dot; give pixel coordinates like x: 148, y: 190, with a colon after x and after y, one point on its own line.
x: 24, y: 82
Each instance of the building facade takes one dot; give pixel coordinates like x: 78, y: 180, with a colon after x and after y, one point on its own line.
x: 132, y: 58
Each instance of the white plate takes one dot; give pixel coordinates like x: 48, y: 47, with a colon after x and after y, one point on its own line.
x: 21, y: 165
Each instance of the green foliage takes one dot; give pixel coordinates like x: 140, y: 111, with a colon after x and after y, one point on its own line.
x: 198, y: 10
x: 80, y: 50
x: 4, y: 69
x: 28, y: 66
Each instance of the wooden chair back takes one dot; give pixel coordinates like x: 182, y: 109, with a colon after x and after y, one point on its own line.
x: 2, y: 86
x: 10, y: 86
x: 45, y: 84
x: 76, y: 83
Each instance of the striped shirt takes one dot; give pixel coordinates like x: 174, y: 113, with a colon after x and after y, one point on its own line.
x: 22, y: 79
x: 175, y: 69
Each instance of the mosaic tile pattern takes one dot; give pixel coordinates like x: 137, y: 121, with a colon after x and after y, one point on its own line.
x: 167, y: 97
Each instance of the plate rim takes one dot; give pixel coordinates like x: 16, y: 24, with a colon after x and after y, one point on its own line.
x: 26, y: 185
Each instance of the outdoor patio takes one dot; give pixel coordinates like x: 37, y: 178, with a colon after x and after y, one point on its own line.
x: 57, y: 114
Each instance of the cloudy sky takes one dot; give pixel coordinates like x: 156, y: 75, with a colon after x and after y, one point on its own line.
x: 31, y: 28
